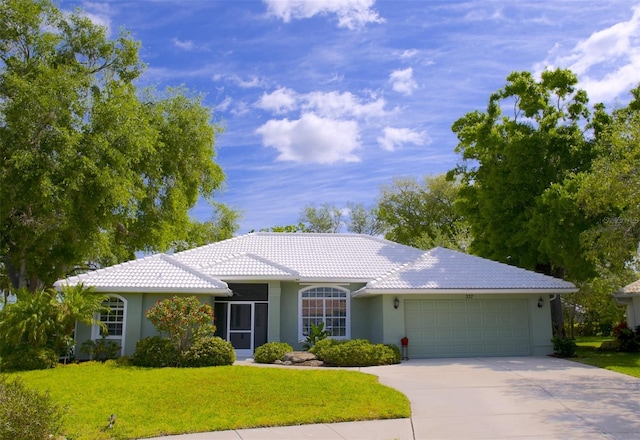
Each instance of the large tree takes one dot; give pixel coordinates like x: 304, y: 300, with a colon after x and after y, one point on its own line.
x: 533, y: 134
x: 91, y: 169
x: 422, y: 214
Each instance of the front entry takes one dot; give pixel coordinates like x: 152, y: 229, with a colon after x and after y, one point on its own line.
x: 240, y: 328
x: 242, y: 319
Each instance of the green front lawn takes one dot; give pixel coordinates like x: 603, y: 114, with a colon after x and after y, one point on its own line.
x: 154, y: 402
x: 588, y: 353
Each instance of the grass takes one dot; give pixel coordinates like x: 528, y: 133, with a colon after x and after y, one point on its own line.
x: 588, y: 353
x: 155, y: 402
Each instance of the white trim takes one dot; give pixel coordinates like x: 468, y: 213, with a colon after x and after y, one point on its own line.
x: 96, y: 329
x: 365, y: 291
x: 347, y: 292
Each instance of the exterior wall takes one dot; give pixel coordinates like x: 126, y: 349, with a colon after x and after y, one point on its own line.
x: 633, y: 312
x: 137, y: 326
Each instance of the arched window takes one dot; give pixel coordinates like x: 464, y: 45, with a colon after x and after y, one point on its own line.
x: 324, y: 304
x: 114, y: 321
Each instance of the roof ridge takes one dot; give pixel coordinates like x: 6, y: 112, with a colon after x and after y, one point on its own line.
x: 255, y: 257
x: 193, y: 271
x: 215, y: 243
x: 399, y: 268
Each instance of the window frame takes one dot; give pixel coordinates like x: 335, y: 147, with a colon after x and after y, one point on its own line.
x: 96, y: 329
x: 347, y: 299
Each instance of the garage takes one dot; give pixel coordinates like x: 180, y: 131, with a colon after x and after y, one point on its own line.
x: 469, y: 326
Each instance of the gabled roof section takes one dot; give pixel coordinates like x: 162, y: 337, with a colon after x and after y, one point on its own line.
x: 158, y: 273
x: 632, y: 289
x: 238, y: 266
x: 313, y: 257
x: 445, y: 271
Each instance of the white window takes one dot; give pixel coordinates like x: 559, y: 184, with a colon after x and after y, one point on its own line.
x: 326, y: 304
x: 114, y: 321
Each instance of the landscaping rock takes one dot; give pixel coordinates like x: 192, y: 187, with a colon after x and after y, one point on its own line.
x: 300, y: 359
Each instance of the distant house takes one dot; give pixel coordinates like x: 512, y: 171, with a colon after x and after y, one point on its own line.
x: 273, y: 286
x: 630, y: 296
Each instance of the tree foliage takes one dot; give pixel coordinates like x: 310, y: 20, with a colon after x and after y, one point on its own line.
x: 510, y: 162
x: 91, y: 169
x: 324, y: 218
x: 422, y: 213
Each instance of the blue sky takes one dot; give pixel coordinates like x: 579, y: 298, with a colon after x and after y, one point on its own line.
x: 325, y: 101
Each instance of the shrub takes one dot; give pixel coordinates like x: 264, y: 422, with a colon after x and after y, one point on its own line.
x: 156, y: 352
x: 27, y: 414
x: 28, y: 358
x: 563, y: 346
x: 628, y: 339
x: 356, y: 353
x: 101, y: 350
x: 316, y: 334
x: 396, y: 356
x: 209, y: 351
x: 271, y: 351
x: 182, y: 318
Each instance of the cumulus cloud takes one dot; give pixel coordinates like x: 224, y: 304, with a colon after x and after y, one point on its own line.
x: 396, y: 137
x: 592, y: 59
x: 402, y: 81
x: 312, y: 139
x: 337, y: 105
x: 351, y: 14
x: 282, y: 100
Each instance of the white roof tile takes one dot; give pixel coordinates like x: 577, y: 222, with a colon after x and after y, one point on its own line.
x: 157, y: 273
x: 631, y: 289
x: 346, y: 257
x: 442, y: 269
x: 385, y: 266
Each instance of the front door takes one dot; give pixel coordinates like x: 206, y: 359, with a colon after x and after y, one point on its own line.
x: 240, y: 327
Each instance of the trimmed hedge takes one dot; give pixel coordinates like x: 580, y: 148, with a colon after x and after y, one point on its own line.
x: 355, y: 353
x: 29, y: 358
x: 271, y: 352
x: 209, y: 351
x: 156, y: 352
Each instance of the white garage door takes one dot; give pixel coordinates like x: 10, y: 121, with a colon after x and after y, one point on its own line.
x: 467, y: 327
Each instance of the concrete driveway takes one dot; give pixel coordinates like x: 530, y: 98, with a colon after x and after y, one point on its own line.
x: 519, y: 397
x: 484, y: 398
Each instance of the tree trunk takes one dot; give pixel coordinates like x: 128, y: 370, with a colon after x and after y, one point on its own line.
x: 557, y: 318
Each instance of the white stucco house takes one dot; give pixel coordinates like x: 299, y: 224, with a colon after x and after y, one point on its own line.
x: 273, y: 286
x: 629, y: 296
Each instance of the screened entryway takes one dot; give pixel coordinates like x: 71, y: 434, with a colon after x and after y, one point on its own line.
x: 242, y: 318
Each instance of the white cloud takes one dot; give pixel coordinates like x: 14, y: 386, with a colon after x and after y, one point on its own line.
x: 98, y: 13
x: 351, y: 14
x: 395, y: 137
x: 184, y: 45
x: 312, y: 139
x: 337, y: 105
x: 607, y: 62
x: 224, y: 105
x: 403, y: 81
x: 282, y: 100
x: 409, y: 53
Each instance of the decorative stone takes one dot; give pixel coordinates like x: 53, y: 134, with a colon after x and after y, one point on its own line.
x: 298, y: 357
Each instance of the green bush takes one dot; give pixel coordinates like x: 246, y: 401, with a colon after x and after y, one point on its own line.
x: 209, y: 351
x: 316, y: 334
x: 563, y: 346
x: 28, y: 358
x: 355, y: 353
x: 27, y: 414
x: 156, y: 352
x: 397, y: 356
x: 628, y: 339
x: 101, y: 350
x: 271, y: 351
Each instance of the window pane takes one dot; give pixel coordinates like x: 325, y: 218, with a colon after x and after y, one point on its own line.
x: 324, y: 304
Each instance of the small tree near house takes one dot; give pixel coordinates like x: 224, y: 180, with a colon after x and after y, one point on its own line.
x: 182, y: 318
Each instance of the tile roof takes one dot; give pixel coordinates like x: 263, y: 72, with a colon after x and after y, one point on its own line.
x: 382, y: 264
x: 344, y: 257
x: 157, y: 273
x: 631, y: 289
x: 442, y: 270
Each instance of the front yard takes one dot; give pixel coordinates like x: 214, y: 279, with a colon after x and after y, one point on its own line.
x: 588, y: 353
x: 155, y: 402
